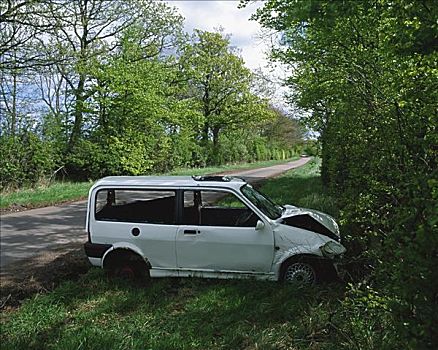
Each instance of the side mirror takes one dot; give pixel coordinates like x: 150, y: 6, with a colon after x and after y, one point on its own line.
x: 260, y: 225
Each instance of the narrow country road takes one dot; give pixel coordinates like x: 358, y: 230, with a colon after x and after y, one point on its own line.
x: 28, y: 233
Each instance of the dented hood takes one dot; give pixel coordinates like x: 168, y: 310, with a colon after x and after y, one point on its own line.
x: 324, y: 219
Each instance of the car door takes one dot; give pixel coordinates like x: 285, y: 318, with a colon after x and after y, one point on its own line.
x: 140, y: 218
x: 214, y: 235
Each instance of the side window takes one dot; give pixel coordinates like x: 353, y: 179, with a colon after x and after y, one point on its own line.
x: 104, y: 197
x: 221, y: 200
x: 216, y: 208
x: 140, y: 206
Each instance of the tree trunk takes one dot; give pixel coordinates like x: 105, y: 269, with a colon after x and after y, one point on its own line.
x: 204, y: 134
x: 216, y: 145
x: 78, y: 114
x: 14, y: 104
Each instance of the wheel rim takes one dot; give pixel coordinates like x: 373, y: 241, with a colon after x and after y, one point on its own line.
x: 300, y: 274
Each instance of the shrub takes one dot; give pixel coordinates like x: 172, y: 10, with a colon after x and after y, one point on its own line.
x: 25, y: 160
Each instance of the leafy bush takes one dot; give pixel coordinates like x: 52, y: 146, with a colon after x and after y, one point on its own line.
x: 25, y: 160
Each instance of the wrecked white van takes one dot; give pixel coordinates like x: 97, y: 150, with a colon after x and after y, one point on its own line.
x: 211, y: 226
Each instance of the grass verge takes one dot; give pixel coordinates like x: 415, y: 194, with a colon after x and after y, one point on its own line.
x: 42, y: 196
x: 93, y: 312
x: 172, y: 314
x: 60, y: 192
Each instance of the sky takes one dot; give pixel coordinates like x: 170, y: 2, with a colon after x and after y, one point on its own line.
x: 210, y: 15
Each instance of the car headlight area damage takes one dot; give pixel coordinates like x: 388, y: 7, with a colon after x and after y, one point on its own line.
x: 308, y: 246
x: 331, y: 249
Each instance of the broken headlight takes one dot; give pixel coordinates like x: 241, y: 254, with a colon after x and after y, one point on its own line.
x: 332, y: 248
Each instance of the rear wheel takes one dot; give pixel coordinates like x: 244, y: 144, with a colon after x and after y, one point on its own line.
x: 127, y: 266
x: 126, y: 272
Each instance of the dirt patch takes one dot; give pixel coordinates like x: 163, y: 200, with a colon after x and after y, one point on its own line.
x: 14, y: 208
x: 41, y: 273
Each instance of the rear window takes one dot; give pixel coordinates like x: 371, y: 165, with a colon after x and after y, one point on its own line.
x: 140, y: 206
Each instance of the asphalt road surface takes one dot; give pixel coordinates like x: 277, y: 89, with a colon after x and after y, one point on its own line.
x: 28, y: 233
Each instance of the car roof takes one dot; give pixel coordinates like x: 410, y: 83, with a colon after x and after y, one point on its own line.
x: 170, y: 181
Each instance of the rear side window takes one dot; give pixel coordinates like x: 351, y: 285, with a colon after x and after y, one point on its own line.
x: 140, y: 206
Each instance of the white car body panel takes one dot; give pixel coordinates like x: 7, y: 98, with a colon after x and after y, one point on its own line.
x: 293, y: 241
x: 95, y: 261
x: 155, y: 242
x: 216, y: 248
x: 212, y: 274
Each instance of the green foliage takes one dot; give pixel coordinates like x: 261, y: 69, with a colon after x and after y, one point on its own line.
x: 25, y: 160
x: 364, y: 320
x: 150, y: 115
x: 310, y: 148
x: 249, y: 147
x: 367, y: 73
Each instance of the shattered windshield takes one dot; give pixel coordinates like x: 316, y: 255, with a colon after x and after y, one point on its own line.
x: 267, y: 206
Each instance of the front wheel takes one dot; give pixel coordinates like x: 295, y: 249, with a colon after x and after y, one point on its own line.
x: 300, y: 273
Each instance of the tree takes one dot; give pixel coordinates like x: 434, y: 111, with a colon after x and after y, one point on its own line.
x: 140, y: 124
x: 22, y: 26
x: 87, y: 32
x: 219, y: 80
x: 283, y: 130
